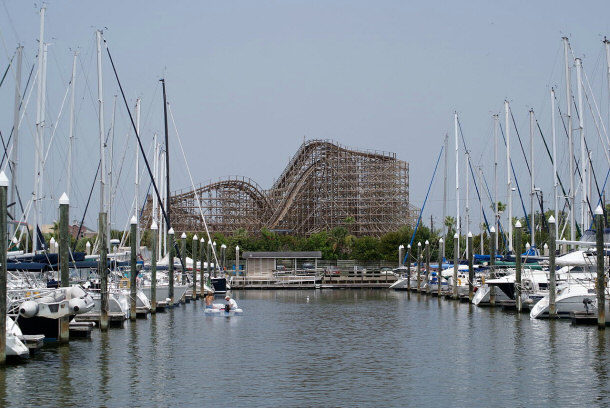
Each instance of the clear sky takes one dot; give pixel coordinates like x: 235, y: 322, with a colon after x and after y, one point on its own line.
x: 249, y: 80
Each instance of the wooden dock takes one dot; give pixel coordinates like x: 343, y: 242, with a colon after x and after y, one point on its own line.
x: 313, y: 282
x: 115, y: 319
x: 583, y: 318
x: 81, y: 329
x: 33, y: 342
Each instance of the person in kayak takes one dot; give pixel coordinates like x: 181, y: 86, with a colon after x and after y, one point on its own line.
x: 209, y: 301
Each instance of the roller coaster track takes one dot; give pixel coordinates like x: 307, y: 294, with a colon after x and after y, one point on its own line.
x: 322, y: 185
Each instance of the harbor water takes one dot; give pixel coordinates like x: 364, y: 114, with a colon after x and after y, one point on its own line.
x: 332, y: 348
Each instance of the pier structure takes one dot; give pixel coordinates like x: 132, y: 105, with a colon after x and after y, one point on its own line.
x: 324, y: 185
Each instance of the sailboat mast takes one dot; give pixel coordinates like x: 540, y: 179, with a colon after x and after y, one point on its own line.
x: 167, y: 189
x: 532, y: 184
x: 71, y: 137
x: 457, y: 181
x: 481, y: 220
x: 496, y: 215
x: 584, y: 214
x: 555, y: 181
x: 101, y: 123
x: 39, y: 131
x: 15, y: 151
x: 570, y: 139
x: 137, y: 182
x: 467, y: 163
x: 110, y: 170
x: 445, y: 194
x: 509, y: 182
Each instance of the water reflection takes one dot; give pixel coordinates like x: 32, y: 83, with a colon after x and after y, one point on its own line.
x: 66, y: 391
x: 325, y: 348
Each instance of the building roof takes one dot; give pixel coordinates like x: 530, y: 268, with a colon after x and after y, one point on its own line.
x: 283, y: 254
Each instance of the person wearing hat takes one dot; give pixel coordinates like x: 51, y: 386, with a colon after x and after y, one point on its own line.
x: 230, y: 304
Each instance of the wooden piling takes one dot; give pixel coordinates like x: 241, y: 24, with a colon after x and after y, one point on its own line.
x: 103, y: 271
x: 195, y: 242
x: 202, y: 257
x: 170, y: 242
x: 409, y: 267
x: 517, y: 236
x: 133, y: 273
x: 153, y: 269
x: 64, y: 245
x: 418, y: 266
x: 492, y: 264
x: 183, y: 256
x: 470, y: 268
x: 427, y: 274
x: 439, y: 277
x: 3, y: 249
x: 209, y: 257
x: 553, y: 278
x: 601, y: 283
x: 456, y: 256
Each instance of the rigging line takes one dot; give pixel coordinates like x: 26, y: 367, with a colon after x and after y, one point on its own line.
x: 424, y: 205
x: 565, y: 129
x: 582, y: 181
x: 548, y: 151
x: 516, y: 181
x: 472, y: 173
x: 171, y: 114
x: 11, y: 168
x: 133, y: 124
x: 5, y: 155
x: 499, y: 222
x: 520, y: 143
x: 598, y: 114
x: 10, y: 63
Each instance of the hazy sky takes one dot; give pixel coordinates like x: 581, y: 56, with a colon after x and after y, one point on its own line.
x: 248, y: 81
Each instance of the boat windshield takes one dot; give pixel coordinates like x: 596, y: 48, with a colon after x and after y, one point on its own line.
x: 589, y: 235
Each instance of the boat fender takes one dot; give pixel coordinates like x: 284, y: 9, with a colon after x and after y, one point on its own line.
x: 29, y: 308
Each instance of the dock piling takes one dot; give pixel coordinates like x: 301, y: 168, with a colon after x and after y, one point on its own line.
x: 3, y: 249
x: 103, y: 272
x: 170, y: 266
x: 427, y: 274
x: 518, y: 286
x: 195, y: 242
x: 456, y: 255
x: 439, y: 277
x: 492, y: 264
x: 133, y: 273
x: 64, y: 245
x: 601, y: 283
x: 553, y: 279
x: 153, y: 268
x: 418, y: 266
x: 470, y: 268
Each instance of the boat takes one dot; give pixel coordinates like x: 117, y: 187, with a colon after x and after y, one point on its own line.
x: 572, y: 297
x: 218, y: 310
x: 14, y: 345
x: 40, y: 312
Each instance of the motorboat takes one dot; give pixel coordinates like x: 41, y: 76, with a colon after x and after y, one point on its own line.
x: 14, y: 345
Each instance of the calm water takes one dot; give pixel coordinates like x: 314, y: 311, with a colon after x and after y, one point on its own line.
x: 342, y: 348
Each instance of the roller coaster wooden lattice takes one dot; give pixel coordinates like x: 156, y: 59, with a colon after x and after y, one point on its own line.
x: 325, y: 185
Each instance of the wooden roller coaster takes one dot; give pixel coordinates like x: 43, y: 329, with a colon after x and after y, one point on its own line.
x: 325, y: 185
